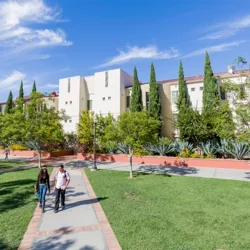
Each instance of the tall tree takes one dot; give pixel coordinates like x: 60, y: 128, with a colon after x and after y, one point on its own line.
x: 210, y: 89
x: 136, y: 97
x: 184, y: 111
x: 20, y: 100
x: 154, y: 107
x: 9, y: 104
x: 34, y: 87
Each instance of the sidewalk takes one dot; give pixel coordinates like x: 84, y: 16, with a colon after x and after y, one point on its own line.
x: 205, y: 172
x: 81, y: 226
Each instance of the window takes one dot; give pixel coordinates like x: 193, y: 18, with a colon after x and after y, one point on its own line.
x: 0, y: 108
x: 106, y: 79
x: 103, y: 98
x: 147, y: 99
x: 89, y: 105
x: 192, y: 89
x: 109, y: 98
x: 66, y: 102
x: 70, y: 120
x: 222, y: 94
x: 65, y: 121
x: 128, y: 101
x: 68, y: 85
x: 174, y: 96
x: 201, y: 88
x: 70, y: 102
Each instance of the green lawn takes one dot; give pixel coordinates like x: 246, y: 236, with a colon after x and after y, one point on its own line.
x: 17, y: 205
x: 178, y: 213
x: 9, y: 164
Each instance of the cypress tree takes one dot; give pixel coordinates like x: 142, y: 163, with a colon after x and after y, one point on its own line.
x: 154, y: 107
x: 21, y: 94
x: 210, y: 89
x: 34, y: 87
x: 136, y: 96
x: 185, y: 113
x: 9, y: 104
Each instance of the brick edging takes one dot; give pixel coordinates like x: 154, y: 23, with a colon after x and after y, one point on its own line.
x: 110, y: 237
x: 31, y: 231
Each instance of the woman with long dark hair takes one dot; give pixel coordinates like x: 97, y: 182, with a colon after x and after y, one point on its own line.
x: 42, y: 186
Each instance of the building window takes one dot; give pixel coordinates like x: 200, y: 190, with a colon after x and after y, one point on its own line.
x: 89, y: 105
x: 109, y: 98
x: 65, y: 121
x: 192, y: 89
x: 201, y: 88
x: 106, y: 79
x: 70, y: 102
x: 0, y: 108
x: 103, y: 98
x: 66, y: 102
x: 174, y: 96
x: 222, y: 94
x: 68, y: 85
x: 128, y: 101
x: 70, y: 120
x: 147, y: 99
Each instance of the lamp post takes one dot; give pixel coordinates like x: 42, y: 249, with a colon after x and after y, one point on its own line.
x: 94, y: 168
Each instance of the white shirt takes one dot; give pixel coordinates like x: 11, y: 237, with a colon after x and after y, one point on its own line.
x: 61, y: 179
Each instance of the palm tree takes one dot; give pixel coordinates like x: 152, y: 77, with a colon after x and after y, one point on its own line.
x: 240, y: 61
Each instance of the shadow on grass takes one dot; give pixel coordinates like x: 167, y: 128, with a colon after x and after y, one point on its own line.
x: 15, y: 194
x: 57, y: 242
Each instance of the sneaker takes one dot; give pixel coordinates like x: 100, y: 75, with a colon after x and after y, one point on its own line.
x: 63, y: 207
x: 55, y: 211
x: 40, y: 205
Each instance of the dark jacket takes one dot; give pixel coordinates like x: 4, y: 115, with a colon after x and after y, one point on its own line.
x: 42, y: 180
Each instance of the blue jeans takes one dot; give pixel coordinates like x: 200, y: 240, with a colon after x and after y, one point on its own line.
x: 42, y: 193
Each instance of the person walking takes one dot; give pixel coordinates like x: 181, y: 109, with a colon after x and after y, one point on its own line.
x: 42, y: 185
x: 61, y: 182
x: 6, y: 152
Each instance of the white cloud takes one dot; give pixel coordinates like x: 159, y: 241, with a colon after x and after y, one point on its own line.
x: 64, y: 69
x: 44, y: 57
x: 12, y: 80
x: 227, y: 29
x: 15, y: 33
x: 135, y: 52
x: 215, y: 48
x: 52, y: 86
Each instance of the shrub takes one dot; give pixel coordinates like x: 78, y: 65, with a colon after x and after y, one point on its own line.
x: 183, y: 149
x: 209, y: 149
x: 225, y: 148
x: 239, y: 150
x: 18, y: 147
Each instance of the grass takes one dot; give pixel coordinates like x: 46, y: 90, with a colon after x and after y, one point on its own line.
x: 10, y: 164
x: 17, y: 205
x: 177, y: 213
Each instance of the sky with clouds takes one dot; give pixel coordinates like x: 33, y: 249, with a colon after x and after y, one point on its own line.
x: 46, y: 40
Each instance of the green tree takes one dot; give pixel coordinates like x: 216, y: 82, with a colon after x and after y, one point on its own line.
x: 34, y: 87
x: 20, y: 100
x: 154, y: 107
x: 9, y: 104
x: 136, y: 129
x: 240, y: 61
x: 136, y: 96
x: 86, y: 130
x: 41, y: 126
x: 210, y: 89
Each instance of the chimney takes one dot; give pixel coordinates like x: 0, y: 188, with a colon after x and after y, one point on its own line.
x: 231, y: 69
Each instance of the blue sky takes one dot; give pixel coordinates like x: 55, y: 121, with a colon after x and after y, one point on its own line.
x: 51, y: 39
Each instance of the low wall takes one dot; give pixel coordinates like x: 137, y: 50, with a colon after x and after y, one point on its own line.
x: 44, y: 154
x: 173, y: 161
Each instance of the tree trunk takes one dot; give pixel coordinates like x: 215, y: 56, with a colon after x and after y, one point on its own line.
x: 131, y: 163
x: 39, y: 158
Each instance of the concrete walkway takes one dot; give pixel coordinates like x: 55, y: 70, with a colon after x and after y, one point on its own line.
x: 205, y: 172
x: 81, y: 226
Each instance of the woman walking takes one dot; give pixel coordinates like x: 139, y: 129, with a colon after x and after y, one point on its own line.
x: 42, y: 186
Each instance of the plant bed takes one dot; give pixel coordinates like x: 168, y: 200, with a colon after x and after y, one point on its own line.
x: 172, y: 161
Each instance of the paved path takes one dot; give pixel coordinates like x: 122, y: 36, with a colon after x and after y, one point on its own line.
x: 219, y: 173
x: 81, y: 226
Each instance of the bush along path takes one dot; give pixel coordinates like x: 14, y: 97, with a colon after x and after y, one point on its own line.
x: 81, y: 225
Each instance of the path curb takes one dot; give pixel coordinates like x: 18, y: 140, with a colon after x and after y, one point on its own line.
x: 110, y: 237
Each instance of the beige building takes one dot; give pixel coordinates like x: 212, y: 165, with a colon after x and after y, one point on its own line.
x: 110, y: 92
